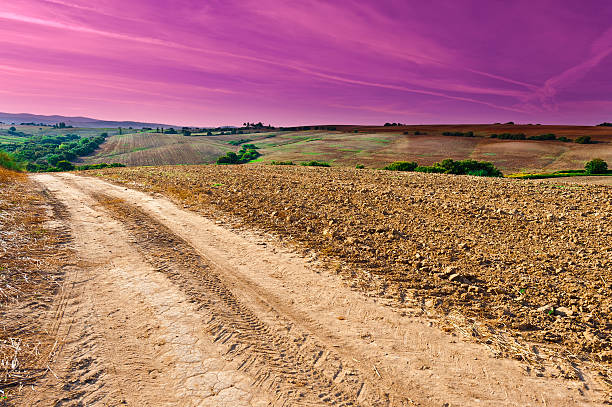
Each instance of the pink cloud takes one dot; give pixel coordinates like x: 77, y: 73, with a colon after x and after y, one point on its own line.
x: 293, y: 61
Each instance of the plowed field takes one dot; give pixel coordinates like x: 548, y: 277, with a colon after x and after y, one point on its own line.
x: 532, y: 259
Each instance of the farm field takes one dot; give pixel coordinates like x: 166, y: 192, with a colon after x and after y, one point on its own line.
x: 373, y: 147
x: 283, y: 294
x: 153, y: 149
x: 320, y: 286
x: 531, y: 258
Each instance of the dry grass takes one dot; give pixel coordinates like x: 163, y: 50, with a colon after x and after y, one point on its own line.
x: 31, y: 259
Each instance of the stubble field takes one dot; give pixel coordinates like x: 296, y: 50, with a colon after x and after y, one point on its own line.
x: 531, y: 259
x: 32, y: 260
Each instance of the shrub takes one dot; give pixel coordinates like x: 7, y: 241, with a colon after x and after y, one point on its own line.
x: 401, y: 166
x: 605, y: 124
x: 282, y: 163
x: 229, y: 158
x: 469, y: 167
x: 360, y: 166
x: 8, y: 161
x: 596, y: 166
x: 65, y: 165
x: 98, y: 166
x: 315, y: 163
x: 247, y: 153
x: 543, y: 137
x: 508, y: 136
x: 583, y: 140
x: 458, y: 134
x: 430, y: 169
x: 463, y: 167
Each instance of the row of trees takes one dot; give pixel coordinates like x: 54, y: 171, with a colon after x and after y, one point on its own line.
x: 449, y: 166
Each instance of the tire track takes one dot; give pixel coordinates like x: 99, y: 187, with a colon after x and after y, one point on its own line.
x: 289, y: 364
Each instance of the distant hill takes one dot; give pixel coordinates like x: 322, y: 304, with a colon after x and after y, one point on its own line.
x: 18, y: 118
x: 372, y: 146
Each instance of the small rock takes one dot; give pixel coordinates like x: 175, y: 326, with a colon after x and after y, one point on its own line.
x: 605, y: 356
x: 546, y: 308
x: 564, y: 312
x: 431, y: 303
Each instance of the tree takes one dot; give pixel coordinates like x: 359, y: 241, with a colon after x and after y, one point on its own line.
x: 54, y: 159
x: 12, y: 129
x: 596, y: 166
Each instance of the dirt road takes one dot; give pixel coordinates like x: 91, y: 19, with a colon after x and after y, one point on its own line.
x: 167, y: 308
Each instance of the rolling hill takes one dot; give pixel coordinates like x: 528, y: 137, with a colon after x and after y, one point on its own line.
x: 372, y: 146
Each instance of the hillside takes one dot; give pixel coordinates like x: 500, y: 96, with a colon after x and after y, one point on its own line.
x: 372, y: 146
x: 18, y: 118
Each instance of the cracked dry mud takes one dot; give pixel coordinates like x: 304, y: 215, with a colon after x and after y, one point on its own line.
x: 166, y: 307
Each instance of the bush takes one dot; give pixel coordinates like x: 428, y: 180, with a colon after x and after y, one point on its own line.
x: 605, y: 124
x: 65, y: 165
x: 543, y: 137
x: 458, y: 134
x: 596, y: 166
x: 583, y: 140
x: 315, y: 163
x: 98, y: 166
x: 463, y: 167
x: 282, y: 163
x: 430, y: 169
x: 401, y: 166
x: 360, y: 166
x: 8, y: 161
x: 469, y: 167
x: 247, y: 153
x: 508, y: 136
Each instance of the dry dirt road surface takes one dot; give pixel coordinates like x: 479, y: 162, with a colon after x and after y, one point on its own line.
x: 167, y: 308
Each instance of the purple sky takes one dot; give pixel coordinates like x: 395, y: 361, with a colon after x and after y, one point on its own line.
x: 198, y: 62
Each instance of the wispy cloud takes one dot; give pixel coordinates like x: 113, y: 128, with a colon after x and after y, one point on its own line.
x: 376, y: 56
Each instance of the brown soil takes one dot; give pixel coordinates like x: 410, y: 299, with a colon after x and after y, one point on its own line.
x: 167, y: 307
x: 530, y: 258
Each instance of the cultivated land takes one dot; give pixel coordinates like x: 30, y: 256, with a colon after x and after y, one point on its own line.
x: 164, y: 306
x: 258, y: 285
x: 155, y: 148
x: 495, y: 249
x: 374, y: 147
